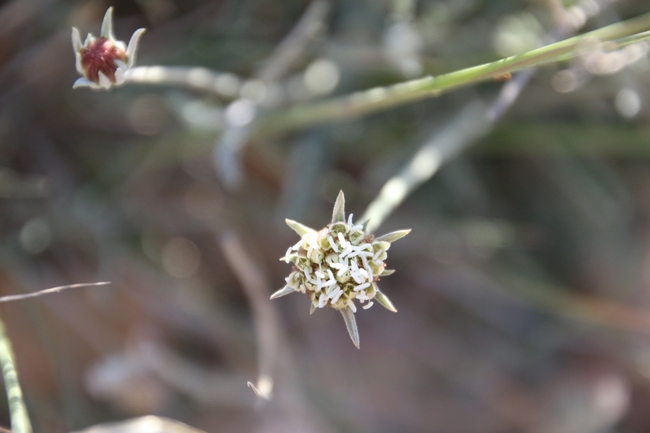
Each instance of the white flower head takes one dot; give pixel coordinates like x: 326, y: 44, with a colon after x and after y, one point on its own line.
x: 339, y: 265
x: 103, y: 60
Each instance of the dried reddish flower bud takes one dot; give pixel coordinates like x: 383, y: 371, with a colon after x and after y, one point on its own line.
x: 103, y: 60
x: 101, y: 55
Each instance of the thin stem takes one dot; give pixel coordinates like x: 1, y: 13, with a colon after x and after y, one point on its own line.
x: 17, y: 410
x: 206, y: 80
x: 633, y: 39
x: 380, y: 98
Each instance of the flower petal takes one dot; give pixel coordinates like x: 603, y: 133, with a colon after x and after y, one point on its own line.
x: 132, y: 48
x: 385, y: 302
x: 84, y: 82
x: 393, y: 236
x: 338, y: 214
x: 351, y: 325
x: 301, y: 229
x: 286, y: 290
x: 107, y: 25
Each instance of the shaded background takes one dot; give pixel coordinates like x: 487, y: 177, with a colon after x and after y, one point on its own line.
x: 522, y: 291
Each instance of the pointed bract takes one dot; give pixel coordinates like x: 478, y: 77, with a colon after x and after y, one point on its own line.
x: 365, y: 226
x: 132, y: 48
x: 84, y: 82
x: 312, y: 308
x: 107, y: 25
x: 384, y: 301
x: 76, y: 40
x: 77, y: 64
x: 393, y: 236
x: 76, y: 46
x: 351, y: 325
x: 338, y: 214
x: 387, y: 272
x: 286, y: 290
x: 300, y: 229
x: 289, y: 258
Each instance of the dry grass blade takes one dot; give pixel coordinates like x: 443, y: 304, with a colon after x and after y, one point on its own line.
x: 57, y: 289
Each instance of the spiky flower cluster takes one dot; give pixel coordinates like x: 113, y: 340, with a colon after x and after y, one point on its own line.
x: 338, y: 265
x: 103, y: 60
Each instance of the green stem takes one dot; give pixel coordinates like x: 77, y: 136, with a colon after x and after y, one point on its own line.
x: 380, y: 98
x: 17, y: 410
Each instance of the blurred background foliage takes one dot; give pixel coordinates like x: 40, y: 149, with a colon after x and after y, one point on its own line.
x: 522, y: 291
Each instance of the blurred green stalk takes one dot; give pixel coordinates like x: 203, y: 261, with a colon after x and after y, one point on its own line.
x: 17, y: 410
x: 380, y: 98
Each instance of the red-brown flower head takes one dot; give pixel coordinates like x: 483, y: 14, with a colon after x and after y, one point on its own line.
x: 103, y: 60
x: 101, y: 55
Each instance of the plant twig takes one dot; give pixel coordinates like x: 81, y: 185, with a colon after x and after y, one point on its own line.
x: 17, y: 410
x: 206, y: 80
x: 381, y: 98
